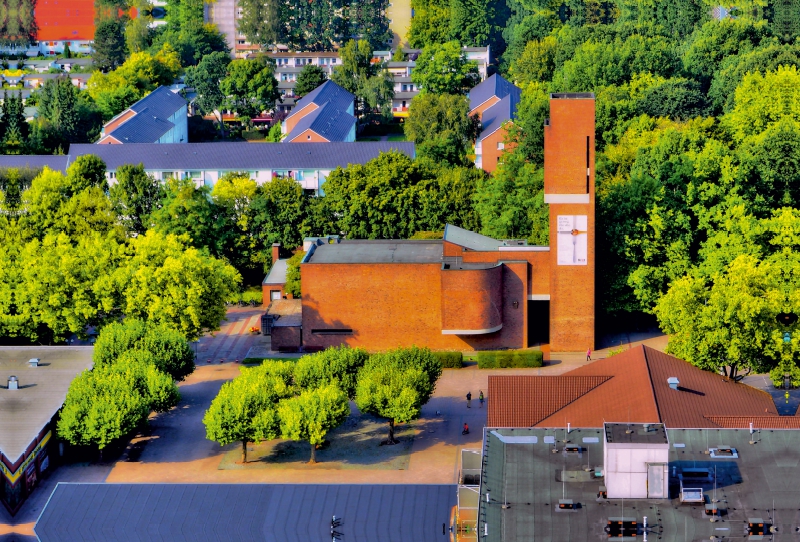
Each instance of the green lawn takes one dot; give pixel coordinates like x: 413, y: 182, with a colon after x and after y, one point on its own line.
x: 400, y: 137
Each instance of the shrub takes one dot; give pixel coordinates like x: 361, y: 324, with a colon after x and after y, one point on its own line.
x: 505, y: 359
x: 450, y: 360
x: 253, y: 135
x: 253, y: 295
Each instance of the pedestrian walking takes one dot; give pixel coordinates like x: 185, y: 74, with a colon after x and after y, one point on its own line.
x: 589, y: 355
x: 469, y: 399
x: 480, y: 398
x: 466, y: 429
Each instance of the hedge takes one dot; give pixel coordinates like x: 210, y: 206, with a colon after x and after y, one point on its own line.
x: 504, y: 359
x: 450, y: 360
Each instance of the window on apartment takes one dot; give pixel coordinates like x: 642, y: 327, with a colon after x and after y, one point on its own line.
x: 308, y: 137
x: 501, y: 146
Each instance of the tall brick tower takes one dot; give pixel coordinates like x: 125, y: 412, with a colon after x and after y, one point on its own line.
x: 569, y: 189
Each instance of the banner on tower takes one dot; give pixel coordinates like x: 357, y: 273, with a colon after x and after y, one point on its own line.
x: 572, y: 241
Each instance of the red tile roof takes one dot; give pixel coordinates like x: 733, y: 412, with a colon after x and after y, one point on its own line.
x: 523, y: 401
x: 759, y: 422
x: 631, y: 387
x: 67, y: 20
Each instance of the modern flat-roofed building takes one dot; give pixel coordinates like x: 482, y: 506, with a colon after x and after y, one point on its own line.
x: 34, y: 381
x: 159, y: 117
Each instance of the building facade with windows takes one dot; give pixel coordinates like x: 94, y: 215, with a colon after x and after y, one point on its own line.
x: 495, y: 102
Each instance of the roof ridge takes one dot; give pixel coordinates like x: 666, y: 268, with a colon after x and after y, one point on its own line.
x: 652, y: 386
x: 602, y: 380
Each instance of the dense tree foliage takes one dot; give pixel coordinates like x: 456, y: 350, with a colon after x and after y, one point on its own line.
x: 444, y: 69
x: 441, y: 126
x: 309, y: 78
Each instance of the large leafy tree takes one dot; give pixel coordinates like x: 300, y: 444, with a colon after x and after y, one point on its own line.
x: 260, y: 21
x: 135, y: 196
x: 246, y: 408
x: 430, y: 24
x: 188, y: 210
x: 359, y: 75
x: 312, y: 414
x: 338, y: 366
x: 205, y: 78
x: 441, y: 125
x: 310, y: 77
x: 163, y: 281
x: 170, y: 350
x: 108, y: 50
x: 396, y: 384
x: 250, y: 86
x: 444, y: 69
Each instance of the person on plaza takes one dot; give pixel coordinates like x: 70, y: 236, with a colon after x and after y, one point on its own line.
x: 466, y: 429
x: 589, y: 355
x: 480, y: 398
x: 469, y: 399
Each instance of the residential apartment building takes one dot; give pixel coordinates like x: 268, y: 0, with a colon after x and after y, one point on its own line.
x: 309, y: 164
x: 323, y: 115
x: 159, y: 117
x: 289, y: 65
x: 495, y: 102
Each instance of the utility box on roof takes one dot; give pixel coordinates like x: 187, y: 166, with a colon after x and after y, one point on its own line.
x: 636, y: 458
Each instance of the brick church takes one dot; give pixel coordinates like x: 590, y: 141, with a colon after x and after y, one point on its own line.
x: 468, y: 291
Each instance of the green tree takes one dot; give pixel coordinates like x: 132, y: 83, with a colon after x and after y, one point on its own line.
x: 171, y: 352
x: 108, y: 51
x: 536, y: 62
x: 86, y: 171
x: 135, y: 197
x: 250, y: 86
x: 510, y: 203
x: 205, y: 78
x: 471, y: 22
x: 367, y: 20
x: 396, y: 384
x: 260, y: 22
x: 335, y: 365
x: 279, y: 213
x: 430, y: 24
x: 163, y: 281
x: 189, y: 210
x: 312, y: 414
x: 245, y: 410
x: 441, y: 122
x: 15, y: 127
x: 293, y: 286
x: 309, y: 78
x: 444, y: 69
x: 355, y: 70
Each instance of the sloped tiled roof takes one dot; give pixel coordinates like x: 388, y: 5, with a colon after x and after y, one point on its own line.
x: 492, y: 86
x: 700, y: 393
x: 523, y: 401
x: 237, y: 156
x: 634, y: 389
x: 759, y: 422
x: 494, y: 117
x: 150, y: 121
x: 330, y: 123
x: 326, y: 92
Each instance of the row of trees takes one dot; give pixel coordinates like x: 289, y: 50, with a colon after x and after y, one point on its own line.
x: 305, y: 400
x: 136, y: 364
x: 74, y: 255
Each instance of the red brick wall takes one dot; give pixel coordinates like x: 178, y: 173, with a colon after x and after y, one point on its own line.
x: 472, y: 299
x: 267, y: 288
x: 572, y: 288
x: 490, y: 154
x: 303, y: 137
x: 391, y: 305
x: 286, y: 339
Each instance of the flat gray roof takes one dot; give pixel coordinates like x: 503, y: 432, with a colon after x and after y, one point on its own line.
x: 527, y: 475
x: 378, y: 251
x: 269, y: 513
x: 277, y: 273
x: 41, y: 392
x: 635, y: 433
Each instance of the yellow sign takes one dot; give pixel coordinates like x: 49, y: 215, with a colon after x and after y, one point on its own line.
x: 14, y: 476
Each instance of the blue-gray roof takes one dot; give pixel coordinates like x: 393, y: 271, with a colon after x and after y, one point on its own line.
x: 492, y: 86
x: 150, y: 121
x: 277, y: 274
x: 494, y: 117
x: 332, y: 124
x: 268, y: 513
x: 34, y: 161
x: 469, y: 239
x: 239, y: 156
x: 326, y: 92
x: 331, y: 119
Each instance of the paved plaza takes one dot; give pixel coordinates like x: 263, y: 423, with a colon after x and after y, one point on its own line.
x: 176, y: 450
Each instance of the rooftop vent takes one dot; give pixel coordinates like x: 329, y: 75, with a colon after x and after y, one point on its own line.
x: 33, y: 362
x: 673, y: 382
x: 13, y: 383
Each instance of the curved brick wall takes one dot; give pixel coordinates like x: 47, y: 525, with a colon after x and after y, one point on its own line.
x: 472, y: 300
